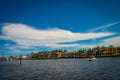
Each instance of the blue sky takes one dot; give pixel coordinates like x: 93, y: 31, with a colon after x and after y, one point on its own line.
x: 35, y: 25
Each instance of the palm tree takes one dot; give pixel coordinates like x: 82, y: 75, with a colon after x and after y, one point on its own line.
x: 111, y: 50
x: 98, y: 53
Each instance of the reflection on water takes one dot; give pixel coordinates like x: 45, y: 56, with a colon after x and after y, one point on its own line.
x: 61, y: 69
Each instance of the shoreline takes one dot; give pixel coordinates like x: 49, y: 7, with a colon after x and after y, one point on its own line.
x: 73, y: 58
x: 65, y: 58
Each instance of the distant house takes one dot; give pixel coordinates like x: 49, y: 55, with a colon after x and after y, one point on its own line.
x: 11, y: 58
x: 24, y: 57
x: 56, y: 55
x: 59, y: 54
x: 2, y: 59
x: 70, y: 55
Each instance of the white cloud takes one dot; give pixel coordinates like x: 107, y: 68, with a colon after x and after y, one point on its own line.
x: 88, y: 46
x: 62, y: 45
x: 115, y: 41
x: 15, y: 51
x: 6, y: 44
x: 104, y: 27
x: 28, y: 36
x: 12, y: 49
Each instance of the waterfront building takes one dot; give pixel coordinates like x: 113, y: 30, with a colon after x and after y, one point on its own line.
x: 2, y: 59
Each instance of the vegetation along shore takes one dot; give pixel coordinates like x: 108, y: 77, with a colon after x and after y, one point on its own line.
x: 98, y: 51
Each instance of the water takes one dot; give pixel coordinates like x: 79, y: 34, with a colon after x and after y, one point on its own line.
x: 61, y: 69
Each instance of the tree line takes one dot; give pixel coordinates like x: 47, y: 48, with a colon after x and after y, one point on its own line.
x: 98, y: 51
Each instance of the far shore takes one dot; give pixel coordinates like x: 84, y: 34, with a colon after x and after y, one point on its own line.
x: 62, y: 58
x: 73, y: 58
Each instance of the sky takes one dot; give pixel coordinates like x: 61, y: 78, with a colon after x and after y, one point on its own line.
x: 36, y: 25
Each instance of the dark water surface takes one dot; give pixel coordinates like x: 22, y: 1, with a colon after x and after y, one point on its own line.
x: 61, y: 69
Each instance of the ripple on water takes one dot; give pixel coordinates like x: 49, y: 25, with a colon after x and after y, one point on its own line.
x: 61, y: 69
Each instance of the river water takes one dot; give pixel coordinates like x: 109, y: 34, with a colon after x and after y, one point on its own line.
x: 61, y: 69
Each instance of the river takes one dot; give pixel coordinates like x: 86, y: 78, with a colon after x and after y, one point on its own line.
x: 61, y: 69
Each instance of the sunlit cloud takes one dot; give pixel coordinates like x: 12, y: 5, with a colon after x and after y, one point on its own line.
x: 25, y: 35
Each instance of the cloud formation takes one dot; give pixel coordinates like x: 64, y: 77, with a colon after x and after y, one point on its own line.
x: 104, y: 27
x: 112, y: 41
x: 28, y: 36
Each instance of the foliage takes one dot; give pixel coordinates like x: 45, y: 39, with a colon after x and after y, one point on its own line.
x: 97, y: 51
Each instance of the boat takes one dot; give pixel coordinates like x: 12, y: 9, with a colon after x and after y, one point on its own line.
x: 92, y: 58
